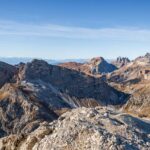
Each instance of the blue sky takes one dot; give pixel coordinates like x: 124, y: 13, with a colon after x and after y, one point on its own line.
x: 60, y: 29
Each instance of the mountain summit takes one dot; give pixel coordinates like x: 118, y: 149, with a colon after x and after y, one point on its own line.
x: 95, y: 66
x: 121, y: 61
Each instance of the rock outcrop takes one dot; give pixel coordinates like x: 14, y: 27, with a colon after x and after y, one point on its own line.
x: 133, y: 71
x: 21, y: 111
x: 6, y: 73
x: 121, y: 61
x: 134, y: 79
x: 143, y: 59
x: 139, y: 101
x: 72, y: 65
x: 86, y: 129
x: 100, y: 66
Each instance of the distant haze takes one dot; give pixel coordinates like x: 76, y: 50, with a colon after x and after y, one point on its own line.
x: 17, y: 60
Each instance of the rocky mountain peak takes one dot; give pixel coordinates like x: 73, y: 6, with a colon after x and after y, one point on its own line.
x: 147, y: 55
x: 145, y: 60
x: 121, y: 61
x: 95, y: 66
x: 96, y: 60
x: 37, y: 69
x: 99, y: 65
x: 38, y: 61
x: 6, y: 73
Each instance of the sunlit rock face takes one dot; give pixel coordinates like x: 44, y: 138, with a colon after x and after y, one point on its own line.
x: 95, y: 66
x: 86, y: 129
x: 100, y: 66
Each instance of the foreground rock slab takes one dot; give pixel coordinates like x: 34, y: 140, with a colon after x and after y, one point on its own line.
x: 85, y: 129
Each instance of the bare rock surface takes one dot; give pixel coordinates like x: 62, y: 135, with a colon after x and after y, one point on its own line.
x: 134, y: 79
x: 77, y: 89
x: 121, y: 61
x: 95, y: 66
x: 6, y: 73
x: 139, y: 101
x: 99, y: 65
x: 133, y: 72
x: 85, y: 129
x: 21, y: 111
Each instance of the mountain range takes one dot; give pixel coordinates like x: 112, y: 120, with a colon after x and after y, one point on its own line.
x: 55, y: 106
x: 17, y: 60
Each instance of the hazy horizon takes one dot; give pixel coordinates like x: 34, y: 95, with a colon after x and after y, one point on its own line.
x: 73, y: 58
